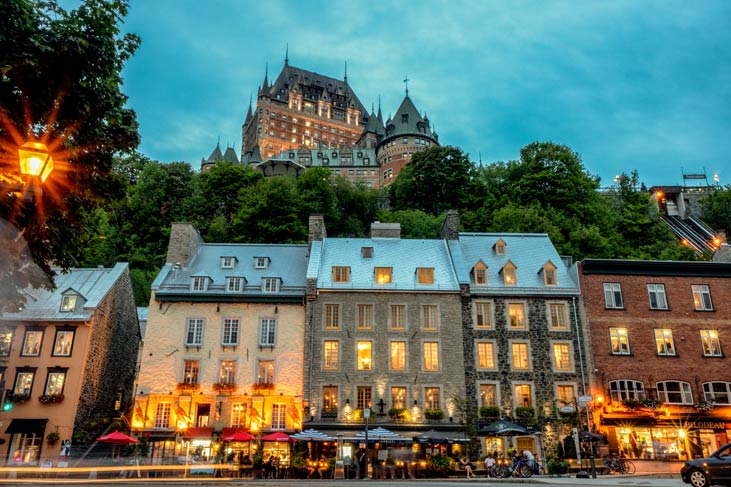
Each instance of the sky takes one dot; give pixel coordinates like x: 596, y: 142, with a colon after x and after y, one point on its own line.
x: 629, y: 85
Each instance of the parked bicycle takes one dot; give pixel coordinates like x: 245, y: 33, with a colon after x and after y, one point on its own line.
x: 618, y: 464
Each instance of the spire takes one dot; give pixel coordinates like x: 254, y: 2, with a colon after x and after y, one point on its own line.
x: 265, y: 85
x: 249, y: 114
x: 345, y: 78
x: 406, y: 81
x: 380, y: 115
x: 286, y: 55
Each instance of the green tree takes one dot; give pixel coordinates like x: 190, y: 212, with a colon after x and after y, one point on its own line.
x: 717, y: 208
x: 414, y: 223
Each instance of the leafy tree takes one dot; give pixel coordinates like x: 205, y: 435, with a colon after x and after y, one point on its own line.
x: 414, y: 223
x: 220, y: 188
x: 717, y: 208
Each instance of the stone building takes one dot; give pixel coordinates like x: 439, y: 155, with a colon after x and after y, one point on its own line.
x: 659, y: 330
x: 68, y: 360
x: 223, y: 346
x: 383, y: 331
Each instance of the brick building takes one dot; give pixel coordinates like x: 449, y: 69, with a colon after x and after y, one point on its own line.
x: 223, y: 345
x: 68, y: 360
x: 659, y: 333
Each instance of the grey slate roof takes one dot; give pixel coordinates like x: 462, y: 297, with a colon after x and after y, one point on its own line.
x: 286, y: 262
x: 91, y: 285
x: 415, y: 123
x: 529, y: 252
x: 404, y: 256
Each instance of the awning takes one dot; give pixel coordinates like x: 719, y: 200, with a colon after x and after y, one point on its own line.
x: 230, y: 431
x: 37, y: 426
x: 200, y: 433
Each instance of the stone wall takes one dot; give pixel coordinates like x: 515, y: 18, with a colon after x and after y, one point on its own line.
x: 184, y: 241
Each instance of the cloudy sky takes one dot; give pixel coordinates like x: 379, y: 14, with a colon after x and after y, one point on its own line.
x: 634, y: 84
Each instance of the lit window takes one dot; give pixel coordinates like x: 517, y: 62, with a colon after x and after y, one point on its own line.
x: 432, y: 396
x: 480, y: 274
x: 32, y: 343
x: 365, y: 316
x: 702, y: 298
x: 562, y: 356
x: 227, y: 262
x: 397, y: 317
x: 674, y: 392
x: 64, y: 340
x: 619, y: 390
x: 194, y: 332
x: 711, y: 343
x: 190, y: 371
x: 265, y: 372
x: 6, y: 341
x: 68, y: 302
x: 23, y: 383
x: 425, y: 275
x: 398, y: 355
x: 431, y: 356
x: 365, y: 355
x: 54, y: 383
x: 238, y: 415
x: 483, y: 314
x: 516, y: 315
x: 230, y: 332
x: 331, y: 355
x: 271, y: 285
x: 521, y: 357
x: 199, y: 283
x: 332, y: 316
x: 488, y: 395
x: 383, y: 275
x: 613, y: 295
x: 429, y: 317
x: 162, y: 415
x: 619, y: 340
x: 549, y: 275
x: 227, y: 372
x: 523, y: 396
x: 485, y: 355
x: 235, y: 284
x: 664, y: 342
x: 557, y: 316
x: 509, y: 276
x: 718, y: 392
x: 267, y: 332
x: 565, y: 393
x: 341, y: 274
x: 398, y: 397
x: 656, y: 294
x: 363, y: 397
x: 330, y: 401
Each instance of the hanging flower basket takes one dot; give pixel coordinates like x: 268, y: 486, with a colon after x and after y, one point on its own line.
x: 187, y: 387
x: 705, y: 406
x: 224, y: 386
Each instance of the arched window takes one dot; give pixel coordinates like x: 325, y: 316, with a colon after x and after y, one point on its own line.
x: 620, y: 390
x: 674, y: 392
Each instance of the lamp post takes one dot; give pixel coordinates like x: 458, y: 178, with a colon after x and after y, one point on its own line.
x: 35, y: 163
x: 367, y: 416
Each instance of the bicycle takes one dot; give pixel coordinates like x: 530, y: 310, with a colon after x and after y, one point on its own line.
x: 618, y: 464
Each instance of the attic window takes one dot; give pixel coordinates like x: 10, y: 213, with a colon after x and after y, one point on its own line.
x: 366, y: 252
x: 383, y: 275
x: 227, y: 262
x: 500, y: 247
x: 270, y: 285
x: 68, y: 302
x: 261, y: 262
x: 405, y: 118
x: 425, y: 275
x: 199, y: 283
x: 509, y: 277
x: 479, y: 273
x: 549, y: 274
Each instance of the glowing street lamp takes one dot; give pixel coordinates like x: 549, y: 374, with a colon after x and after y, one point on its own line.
x: 35, y: 160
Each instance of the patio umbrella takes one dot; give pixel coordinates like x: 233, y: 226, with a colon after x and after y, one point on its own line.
x: 117, y: 438
x: 433, y: 436
x: 379, y: 433
x: 311, y: 435
x: 239, y: 436
x: 276, y: 436
x: 589, y: 436
x: 503, y: 428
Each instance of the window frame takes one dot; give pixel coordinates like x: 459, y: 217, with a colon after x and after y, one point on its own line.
x: 21, y: 378
x: 227, y: 371
x: 617, y: 332
x: 657, y: 292
x: 191, y: 371
x: 383, y: 275
x: 25, y: 352
x: 68, y: 303
x: 235, y: 284
x: 397, y: 360
x: 270, y: 285
x: 528, y: 358
x: 59, y: 334
x: 364, y: 318
x: 162, y: 415
x: 340, y: 274
x: 7, y: 334
x: 635, y: 392
x: 398, y: 324
x: 331, y: 354
x: 489, y: 362
x: 712, y: 337
x: 685, y: 392
x: 199, y: 283
x: 430, y: 352
x: 510, y: 274
x: 488, y: 317
x: 54, y: 391
x: 550, y: 305
x: 194, y: 336
x: 570, y: 354
x: 364, y: 355
x: 228, y: 261
x: 265, y: 370
x: 432, y: 397
x: 267, y: 332
x: 519, y: 326
x: 425, y: 275
x: 482, y: 396
x: 701, y: 293
x: 613, y: 293
x: 331, y: 316
x: 664, y: 346
x: 230, y: 331
x: 479, y: 274
x: 430, y: 320
x: 529, y: 396
x: 550, y: 275
x: 709, y: 393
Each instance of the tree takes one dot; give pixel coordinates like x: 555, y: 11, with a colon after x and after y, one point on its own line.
x: 60, y: 84
x: 414, y: 223
x: 717, y: 208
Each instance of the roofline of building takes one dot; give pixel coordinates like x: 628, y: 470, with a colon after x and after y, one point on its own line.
x: 227, y: 298
x: 656, y: 268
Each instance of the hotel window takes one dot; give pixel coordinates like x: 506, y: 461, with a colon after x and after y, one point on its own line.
x: 516, y: 315
x: 718, y: 392
x: 398, y: 355
x: 431, y: 356
x: 194, y: 332
x: 432, y: 395
x: 674, y: 392
x: 363, y: 397
x: 702, y: 298
x: 562, y: 357
x: 6, y: 341
x: 265, y: 372
x: 619, y: 341
x: 162, y: 415
x: 613, y: 295
x: 483, y: 314
x: 365, y: 316
x: 558, y: 316
x: 32, y: 343
x: 480, y: 274
x: 24, y: 383
x: 521, y: 356
x: 54, y: 383
x: 227, y: 262
x: 429, y: 317
x: 199, y: 283
x: 68, y: 302
x: 711, y: 343
x: 523, y: 396
x: 238, y: 415
x: 488, y: 395
x: 190, y: 371
x: 656, y: 294
x: 509, y: 275
x: 279, y: 416
x: 330, y: 401
x: 267, y: 332
x: 425, y: 275
x: 341, y: 274
x: 227, y: 372
x: 397, y: 317
x: 664, y: 341
x: 619, y: 390
x: 230, y: 332
x: 485, y: 355
x: 63, y: 343
x: 365, y: 355
x: 565, y: 393
x: 398, y: 397
x: 500, y: 247
x: 549, y: 275
x: 366, y: 252
x: 235, y: 284
x: 331, y: 355
x: 271, y: 285
x: 383, y: 275
x: 332, y: 316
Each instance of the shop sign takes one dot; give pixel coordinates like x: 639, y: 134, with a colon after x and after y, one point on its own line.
x: 707, y: 425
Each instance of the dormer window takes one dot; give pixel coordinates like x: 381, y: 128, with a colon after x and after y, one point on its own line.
x: 68, y: 303
x: 479, y: 273
x: 235, y: 284
x: 509, y: 275
x: 366, y: 252
x: 199, y: 283
x: 261, y: 262
x: 549, y: 274
x: 227, y: 262
x: 271, y: 285
x: 383, y: 275
x: 425, y: 275
x: 341, y: 274
x: 500, y: 247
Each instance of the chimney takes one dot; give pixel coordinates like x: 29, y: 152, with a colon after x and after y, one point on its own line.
x: 385, y: 230
x: 184, y: 242
x: 450, y: 227
x: 317, y: 229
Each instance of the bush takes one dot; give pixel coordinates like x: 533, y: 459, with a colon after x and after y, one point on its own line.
x: 558, y: 467
x: 397, y: 413
x: 490, y: 411
x: 525, y: 412
x: 434, y: 414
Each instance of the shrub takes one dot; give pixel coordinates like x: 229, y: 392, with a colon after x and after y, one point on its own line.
x: 557, y: 467
x: 435, y: 414
x: 525, y: 412
x: 397, y: 413
x: 490, y: 411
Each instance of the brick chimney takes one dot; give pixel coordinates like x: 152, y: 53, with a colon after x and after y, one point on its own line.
x: 385, y: 230
x: 450, y: 227
x: 184, y: 242
x: 316, y: 230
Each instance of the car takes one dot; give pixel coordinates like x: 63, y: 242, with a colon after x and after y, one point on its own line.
x: 712, y: 470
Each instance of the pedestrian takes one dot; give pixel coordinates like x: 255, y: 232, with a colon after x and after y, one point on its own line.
x: 467, y: 466
x: 490, y: 465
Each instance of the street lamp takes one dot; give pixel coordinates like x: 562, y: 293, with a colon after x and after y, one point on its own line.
x: 366, y: 415
x: 35, y: 160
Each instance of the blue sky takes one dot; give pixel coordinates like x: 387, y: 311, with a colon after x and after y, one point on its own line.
x: 639, y: 84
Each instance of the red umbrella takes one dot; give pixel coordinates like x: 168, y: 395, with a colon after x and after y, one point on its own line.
x: 117, y: 438
x: 239, y: 436
x: 277, y: 436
